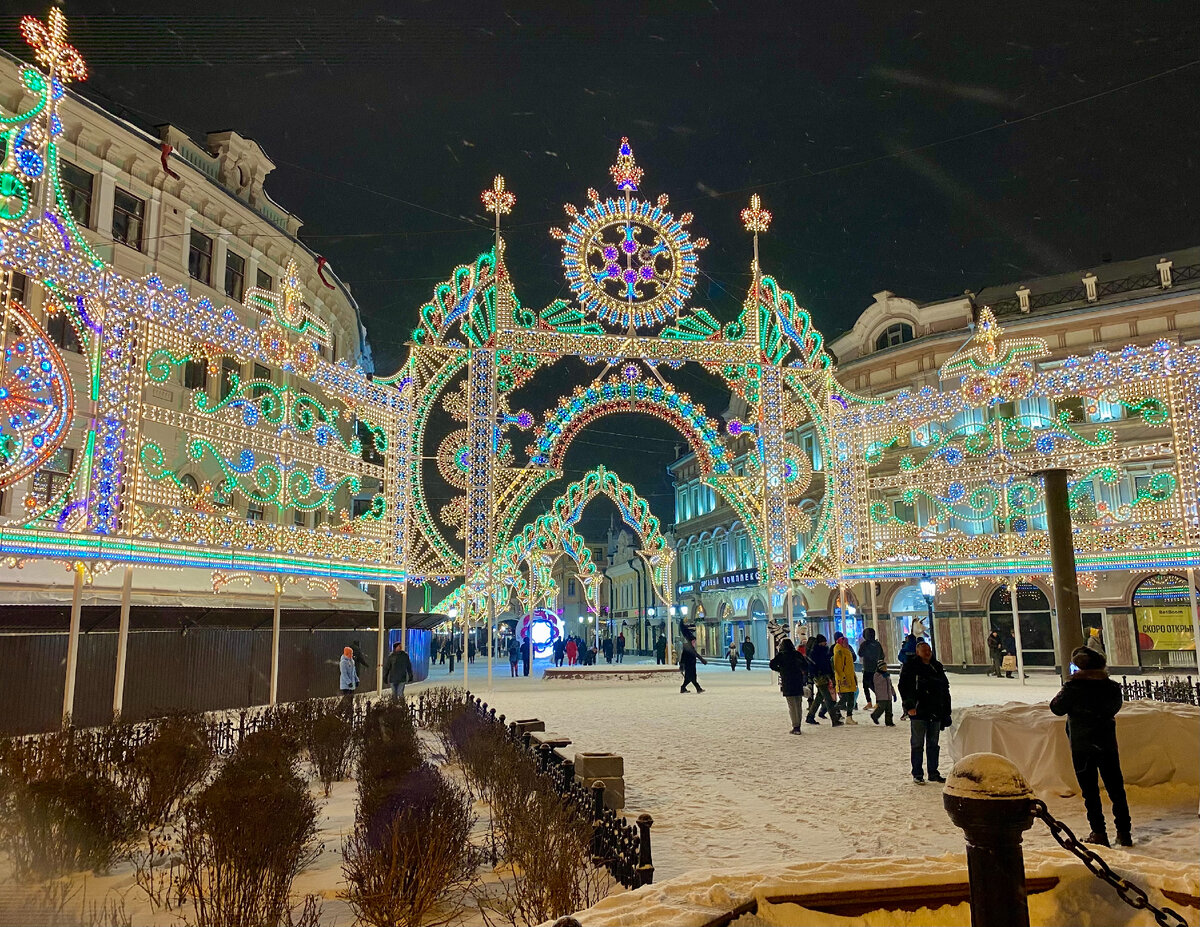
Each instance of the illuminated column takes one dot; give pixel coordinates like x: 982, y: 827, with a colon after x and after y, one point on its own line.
x: 380, y: 638
x: 1016, y: 620
x: 774, y: 496
x: 73, y: 646
x: 278, y: 581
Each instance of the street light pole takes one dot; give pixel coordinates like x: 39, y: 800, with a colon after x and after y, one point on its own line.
x: 929, y: 591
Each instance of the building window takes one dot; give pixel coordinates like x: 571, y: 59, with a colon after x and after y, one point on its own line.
x: 262, y: 373
x: 52, y: 478
x: 77, y: 191
x: 229, y: 369
x: 571, y: 588
x: 195, y: 374
x: 255, y: 511
x: 200, y: 258
x: 1072, y: 405
x: 361, y: 507
x: 20, y: 288
x: 893, y: 335
x: 235, y: 275
x: 62, y: 332
x: 300, y: 519
x: 128, y: 213
x: 263, y: 280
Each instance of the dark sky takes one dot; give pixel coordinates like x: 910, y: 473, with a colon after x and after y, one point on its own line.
x: 922, y: 148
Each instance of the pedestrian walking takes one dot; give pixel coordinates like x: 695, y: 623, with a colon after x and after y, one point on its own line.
x: 748, y: 651
x: 560, y: 651
x: 572, y: 650
x: 660, y: 650
x: 870, y: 652
x: 885, y: 694
x: 822, y: 673
x: 621, y: 647
x: 514, y: 655
x: 792, y: 668
x: 347, y: 681
x: 450, y: 657
x: 441, y: 652
x: 471, y: 650
x: 608, y: 650
x: 687, y: 664
x: 732, y: 656
x: 1091, y: 700
x: 526, y: 655
x: 996, y: 652
x: 845, y: 678
x: 925, y: 694
x: 397, y: 670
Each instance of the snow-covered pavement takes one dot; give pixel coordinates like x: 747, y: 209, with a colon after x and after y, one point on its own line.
x: 728, y: 786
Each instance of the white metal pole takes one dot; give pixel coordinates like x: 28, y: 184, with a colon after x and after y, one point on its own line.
x: 275, y: 644
x: 404, y: 617
x: 1016, y: 618
x: 466, y: 622
x: 1191, y: 578
x: 122, y: 642
x: 73, y: 647
x: 491, y: 618
x: 380, y: 638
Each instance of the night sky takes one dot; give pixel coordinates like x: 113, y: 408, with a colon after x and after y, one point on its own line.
x: 922, y: 149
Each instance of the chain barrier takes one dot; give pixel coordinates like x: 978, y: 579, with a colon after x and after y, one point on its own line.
x: 1129, y: 893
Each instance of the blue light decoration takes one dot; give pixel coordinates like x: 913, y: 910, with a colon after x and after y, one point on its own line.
x: 543, y: 628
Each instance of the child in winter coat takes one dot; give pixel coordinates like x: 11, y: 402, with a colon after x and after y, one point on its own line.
x: 885, y: 694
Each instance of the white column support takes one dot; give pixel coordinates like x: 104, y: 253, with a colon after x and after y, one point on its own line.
x: 1191, y: 578
x: 491, y: 619
x: 1016, y: 618
x: 275, y: 643
x: 73, y: 647
x: 381, y: 637
x: 122, y: 642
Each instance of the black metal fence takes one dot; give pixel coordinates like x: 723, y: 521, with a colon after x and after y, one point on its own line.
x: 622, y: 848
x: 1177, y: 689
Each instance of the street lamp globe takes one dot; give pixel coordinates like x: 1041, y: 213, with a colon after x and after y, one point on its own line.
x: 453, y: 613
x: 928, y: 587
x: 683, y: 609
x: 650, y: 612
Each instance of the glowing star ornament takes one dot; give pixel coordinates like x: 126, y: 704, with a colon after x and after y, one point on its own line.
x: 625, y: 173
x: 754, y: 217
x: 49, y: 42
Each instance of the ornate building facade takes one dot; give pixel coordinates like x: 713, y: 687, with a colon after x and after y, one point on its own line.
x: 897, y: 346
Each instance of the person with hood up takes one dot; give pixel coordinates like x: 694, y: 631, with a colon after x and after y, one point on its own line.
x: 514, y: 655
x: 347, y: 682
x: 907, y: 649
x: 925, y: 692
x: 792, y: 667
x: 1091, y: 700
x: 621, y: 647
x: 572, y: 651
x: 822, y: 673
x: 748, y: 651
x: 732, y: 656
x: 885, y: 694
x: 526, y: 654
x: 996, y: 652
x: 870, y: 652
x: 397, y: 670
x: 845, y: 678
x: 688, y: 656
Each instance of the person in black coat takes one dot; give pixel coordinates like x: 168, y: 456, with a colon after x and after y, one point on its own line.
x: 996, y: 652
x: 792, y: 667
x: 748, y: 650
x: 526, y: 655
x: 607, y: 646
x: 821, y: 670
x: 688, y: 656
x: 925, y: 694
x: 870, y: 652
x: 1091, y: 700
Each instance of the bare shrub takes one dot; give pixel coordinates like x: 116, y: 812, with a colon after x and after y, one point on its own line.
x: 167, y: 767
x: 411, y: 862
x: 331, y: 742
x: 389, y: 752
x: 246, y: 837
x: 59, y: 813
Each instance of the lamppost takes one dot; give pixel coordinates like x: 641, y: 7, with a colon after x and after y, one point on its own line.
x: 929, y: 591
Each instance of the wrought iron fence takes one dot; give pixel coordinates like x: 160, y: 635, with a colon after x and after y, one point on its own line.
x: 1177, y: 689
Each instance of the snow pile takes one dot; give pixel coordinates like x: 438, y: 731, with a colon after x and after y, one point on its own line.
x: 1078, y: 899
x: 1160, y: 743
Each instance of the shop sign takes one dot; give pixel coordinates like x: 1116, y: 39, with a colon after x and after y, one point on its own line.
x: 682, y: 589
x: 1165, y: 627
x: 730, y: 580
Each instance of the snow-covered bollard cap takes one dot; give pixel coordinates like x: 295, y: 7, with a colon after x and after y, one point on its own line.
x: 987, y: 776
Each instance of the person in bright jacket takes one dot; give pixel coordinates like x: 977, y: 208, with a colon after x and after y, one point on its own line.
x: 845, y: 678
x: 1091, y: 700
x: 347, y: 682
x: 397, y: 670
x: 822, y: 674
x: 792, y: 667
x: 870, y: 652
x: 925, y: 693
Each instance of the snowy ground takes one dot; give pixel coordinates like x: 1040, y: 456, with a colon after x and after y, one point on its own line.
x: 729, y: 787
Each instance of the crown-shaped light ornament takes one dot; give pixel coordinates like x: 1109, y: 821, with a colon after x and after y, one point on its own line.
x: 498, y: 200
x: 50, y: 47
x: 754, y: 217
x: 625, y: 173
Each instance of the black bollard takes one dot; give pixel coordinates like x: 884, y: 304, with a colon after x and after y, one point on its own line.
x: 645, y: 860
x: 988, y: 798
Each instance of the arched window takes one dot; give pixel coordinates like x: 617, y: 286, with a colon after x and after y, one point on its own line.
x: 1037, y: 636
x: 189, y: 482
x: 894, y: 334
